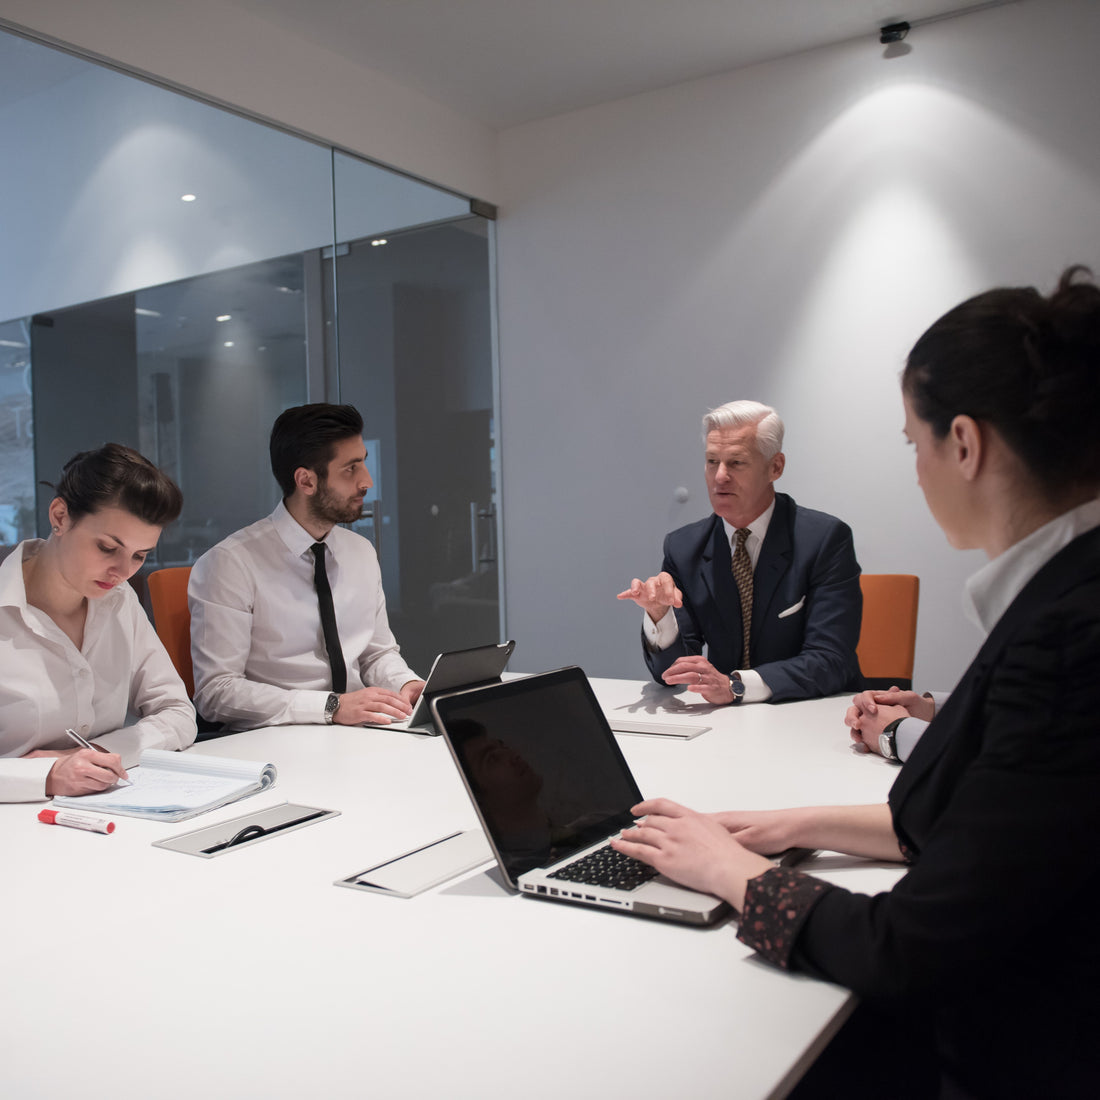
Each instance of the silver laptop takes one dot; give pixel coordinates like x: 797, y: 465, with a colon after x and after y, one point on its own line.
x: 551, y: 787
x: 459, y: 668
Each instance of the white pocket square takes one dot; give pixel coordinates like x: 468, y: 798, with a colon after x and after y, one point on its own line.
x: 793, y: 608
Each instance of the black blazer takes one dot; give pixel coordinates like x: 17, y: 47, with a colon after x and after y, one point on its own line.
x: 807, y: 563
x: 995, y: 925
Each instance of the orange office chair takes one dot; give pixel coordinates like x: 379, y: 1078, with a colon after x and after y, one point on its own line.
x: 172, y: 619
x: 888, y: 633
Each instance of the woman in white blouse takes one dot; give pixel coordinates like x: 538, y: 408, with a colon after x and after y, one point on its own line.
x: 76, y: 649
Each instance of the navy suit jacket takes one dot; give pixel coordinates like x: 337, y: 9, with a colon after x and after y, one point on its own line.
x: 999, y: 808
x: 806, y: 610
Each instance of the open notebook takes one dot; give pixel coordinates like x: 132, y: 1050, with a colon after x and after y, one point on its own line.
x: 173, y: 786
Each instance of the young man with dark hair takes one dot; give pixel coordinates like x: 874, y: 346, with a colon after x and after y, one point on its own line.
x: 288, y: 617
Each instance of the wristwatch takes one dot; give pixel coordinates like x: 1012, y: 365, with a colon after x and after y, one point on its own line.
x: 888, y: 741
x: 737, y: 687
x: 332, y: 705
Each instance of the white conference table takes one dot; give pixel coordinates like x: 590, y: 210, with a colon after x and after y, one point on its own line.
x: 132, y: 972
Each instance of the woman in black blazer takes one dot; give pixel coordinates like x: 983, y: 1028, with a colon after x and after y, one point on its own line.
x: 989, y: 948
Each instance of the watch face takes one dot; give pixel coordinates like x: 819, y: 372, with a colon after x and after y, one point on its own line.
x: 885, y: 746
x: 737, y: 688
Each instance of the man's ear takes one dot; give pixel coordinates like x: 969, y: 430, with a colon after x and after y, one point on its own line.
x: 779, y: 463
x: 305, y: 481
x: 967, y: 442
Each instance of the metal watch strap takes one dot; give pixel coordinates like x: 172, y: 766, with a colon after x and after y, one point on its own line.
x: 332, y: 705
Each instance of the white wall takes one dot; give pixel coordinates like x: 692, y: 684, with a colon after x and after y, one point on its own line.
x: 227, y: 53
x: 784, y: 233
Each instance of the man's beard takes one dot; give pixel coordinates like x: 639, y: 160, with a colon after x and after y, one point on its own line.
x: 326, y: 507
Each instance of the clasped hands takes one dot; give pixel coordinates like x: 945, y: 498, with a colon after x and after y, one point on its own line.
x: 872, y: 711
x: 655, y: 596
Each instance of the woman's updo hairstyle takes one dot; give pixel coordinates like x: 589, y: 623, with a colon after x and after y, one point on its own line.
x: 1027, y: 365
x: 117, y: 476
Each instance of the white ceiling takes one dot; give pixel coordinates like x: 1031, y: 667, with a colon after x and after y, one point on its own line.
x: 503, y: 62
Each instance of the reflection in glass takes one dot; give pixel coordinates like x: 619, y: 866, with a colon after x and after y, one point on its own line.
x: 183, y: 328
x: 541, y: 765
x: 218, y: 358
x: 416, y: 360
x: 16, y: 434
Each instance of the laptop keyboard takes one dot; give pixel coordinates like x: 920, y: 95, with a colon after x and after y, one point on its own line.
x: 609, y: 868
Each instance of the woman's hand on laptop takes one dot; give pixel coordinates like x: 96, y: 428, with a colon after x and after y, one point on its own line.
x: 371, y: 705
x: 691, y: 848
x: 765, y: 831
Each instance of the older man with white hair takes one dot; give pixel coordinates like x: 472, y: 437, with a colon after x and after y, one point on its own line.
x: 771, y: 589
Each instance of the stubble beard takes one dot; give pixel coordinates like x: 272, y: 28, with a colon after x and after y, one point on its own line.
x: 326, y: 507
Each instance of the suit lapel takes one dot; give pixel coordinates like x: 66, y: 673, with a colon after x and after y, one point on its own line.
x: 718, y: 576
x: 774, y: 560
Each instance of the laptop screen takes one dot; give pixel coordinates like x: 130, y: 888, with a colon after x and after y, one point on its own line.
x: 541, y: 764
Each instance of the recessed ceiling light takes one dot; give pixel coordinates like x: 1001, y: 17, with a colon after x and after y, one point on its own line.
x: 145, y: 312
x: 377, y: 241
x: 188, y: 198
x: 227, y: 344
x: 224, y: 317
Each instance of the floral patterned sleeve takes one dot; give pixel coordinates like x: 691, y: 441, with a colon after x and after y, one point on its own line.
x: 776, y: 903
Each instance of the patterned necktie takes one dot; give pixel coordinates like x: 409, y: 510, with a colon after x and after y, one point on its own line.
x: 742, y: 575
x: 328, y: 620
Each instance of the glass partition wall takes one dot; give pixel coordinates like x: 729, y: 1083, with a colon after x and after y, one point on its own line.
x: 175, y: 275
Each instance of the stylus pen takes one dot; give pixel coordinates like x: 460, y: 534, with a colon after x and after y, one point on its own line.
x: 95, y: 748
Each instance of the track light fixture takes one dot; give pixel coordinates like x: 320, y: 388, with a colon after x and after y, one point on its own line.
x: 893, y: 32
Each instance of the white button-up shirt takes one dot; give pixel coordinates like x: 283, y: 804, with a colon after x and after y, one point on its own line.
x: 120, y: 675
x: 256, y: 640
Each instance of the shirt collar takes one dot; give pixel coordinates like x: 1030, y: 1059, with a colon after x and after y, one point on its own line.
x: 758, y: 527
x: 295, y: 537
x: 13, y: 592
x: 990, y: 591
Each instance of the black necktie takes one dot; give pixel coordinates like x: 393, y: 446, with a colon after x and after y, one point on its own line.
x: 328, y: 620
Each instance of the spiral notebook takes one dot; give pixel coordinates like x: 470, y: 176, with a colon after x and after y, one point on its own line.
x: 173, y: 786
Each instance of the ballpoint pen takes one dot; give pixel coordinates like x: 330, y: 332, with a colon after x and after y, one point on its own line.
x: 95, y: 748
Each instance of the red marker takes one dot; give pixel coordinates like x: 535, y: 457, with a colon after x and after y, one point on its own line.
x: 89, y: 822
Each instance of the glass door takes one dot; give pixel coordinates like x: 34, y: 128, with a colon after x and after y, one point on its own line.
x: 413, y: 324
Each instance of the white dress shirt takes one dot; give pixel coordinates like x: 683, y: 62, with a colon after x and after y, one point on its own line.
x: 990, y: 591
x: 661, y: 634
x: 120, y: 674
x: 256, y: 639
